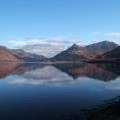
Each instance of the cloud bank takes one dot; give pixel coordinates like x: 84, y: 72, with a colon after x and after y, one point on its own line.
x: 45, y: 46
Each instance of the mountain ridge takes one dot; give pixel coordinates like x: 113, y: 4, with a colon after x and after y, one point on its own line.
x: 73, y: 53
x: 102, y: 47
x: 77, y: 53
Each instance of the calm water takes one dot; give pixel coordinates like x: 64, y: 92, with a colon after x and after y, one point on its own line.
x: 59, y: 92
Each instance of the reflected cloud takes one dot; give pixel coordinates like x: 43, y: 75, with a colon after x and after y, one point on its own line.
x: 44, y: 75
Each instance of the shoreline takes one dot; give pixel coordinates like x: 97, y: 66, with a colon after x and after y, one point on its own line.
x: 96, y: 61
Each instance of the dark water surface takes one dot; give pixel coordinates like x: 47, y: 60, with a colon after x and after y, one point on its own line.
x: 59, y: 92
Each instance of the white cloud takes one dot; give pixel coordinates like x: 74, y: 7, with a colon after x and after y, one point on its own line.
x: 113, y: 35
x: 46, y: 46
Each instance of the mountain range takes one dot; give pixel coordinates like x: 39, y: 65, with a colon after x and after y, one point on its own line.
x: 100, y: 50
x: 78, y: 53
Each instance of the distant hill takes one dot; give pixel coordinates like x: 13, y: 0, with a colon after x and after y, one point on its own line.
x: 17, y: 55
x: 27, y: 57
x: 74, y: 53
x: 102, y: 47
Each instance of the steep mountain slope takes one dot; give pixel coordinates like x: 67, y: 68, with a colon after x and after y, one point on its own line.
x: 102, y: 47
x: 74, y: 53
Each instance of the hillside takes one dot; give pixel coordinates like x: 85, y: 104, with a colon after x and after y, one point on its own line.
x: 18, y: 55
x: 6, y: 55
x: 115, y: 54
x: 27, y: 57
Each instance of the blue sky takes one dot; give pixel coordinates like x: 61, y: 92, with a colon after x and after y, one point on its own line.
x: 57, y: 22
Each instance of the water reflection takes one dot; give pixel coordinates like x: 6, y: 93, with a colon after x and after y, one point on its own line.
x: 7, y: 69
x: 114, y: 68
x: 59, y: 91
x: 17, y: 68
x: 43, y: 75
x: 58, y: 72
x: 93, y: 71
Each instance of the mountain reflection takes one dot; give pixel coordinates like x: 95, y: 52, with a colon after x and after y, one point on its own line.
x: 114, y: 68
x: 7, y: 69
x: 16, y: 68
x: 93, y: 71
x: 60, y: 72
x: 86, y: 96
